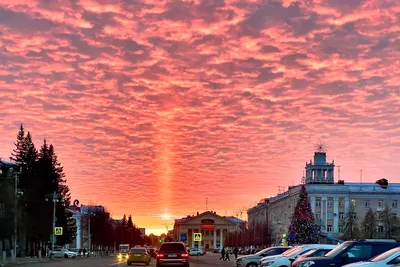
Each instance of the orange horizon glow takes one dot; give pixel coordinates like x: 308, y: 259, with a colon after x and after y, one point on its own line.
x: 155, y: 106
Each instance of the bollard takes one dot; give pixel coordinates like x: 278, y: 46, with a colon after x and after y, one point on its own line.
x: 4, y: 257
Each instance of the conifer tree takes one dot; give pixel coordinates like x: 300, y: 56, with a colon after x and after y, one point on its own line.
x: 303, y: 229
x: 350, y: 229
x: 18, y: 154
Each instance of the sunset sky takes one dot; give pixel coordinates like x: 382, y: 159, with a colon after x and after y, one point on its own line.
x: 152, y: 106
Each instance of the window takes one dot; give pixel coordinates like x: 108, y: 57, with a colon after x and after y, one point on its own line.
x: 341, y: 203
x: 330, y: 203
x: 172, y: 247
x: 207, y: 233
x: 380, y: 229
x: 360, y: 251
x: 367, y: 203
x: 341, y: 215
x: 139, y: 250
x: 329, y: 228
x: 355, y: 216
x: 318, y: 216
x: 380, y: 204
x: 394, y: 204
x: 330, y: 215
x: 340, y: 228
x: 318, y: 203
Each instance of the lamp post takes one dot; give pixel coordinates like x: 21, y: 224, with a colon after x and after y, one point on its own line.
x: 17, y: 194
x: 55, y: 197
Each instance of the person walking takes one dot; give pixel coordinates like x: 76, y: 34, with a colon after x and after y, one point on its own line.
x: 236, y: 251
x: 222, y: 254
x: 227, y: 255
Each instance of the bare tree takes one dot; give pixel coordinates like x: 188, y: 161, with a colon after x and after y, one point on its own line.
x: 390, y: 222
x: 369, y: 224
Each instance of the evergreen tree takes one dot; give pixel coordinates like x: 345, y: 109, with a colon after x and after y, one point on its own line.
x: 130, y: 230
x: 58, y: 184
x: 350, y: 229
x: 123, y: 230
x: 369, y: 224
x: 18, y: 154
x: 303, y: 229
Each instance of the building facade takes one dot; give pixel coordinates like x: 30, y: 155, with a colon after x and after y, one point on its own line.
x: 329, y: 200
x: 213, y: 227
x: 258, y: 215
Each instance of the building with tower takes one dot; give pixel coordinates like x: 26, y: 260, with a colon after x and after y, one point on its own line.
x: 330, y: 200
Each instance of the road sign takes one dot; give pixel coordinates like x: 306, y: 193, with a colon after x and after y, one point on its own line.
x: 197, y: 237
x: 76, y: 202
x: 58, y: 230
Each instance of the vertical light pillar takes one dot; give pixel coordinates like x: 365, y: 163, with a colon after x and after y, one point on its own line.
x: 335, y: 214
x: 215, y: 238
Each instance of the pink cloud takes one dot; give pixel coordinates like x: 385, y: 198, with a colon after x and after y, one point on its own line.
x: 157, y: 106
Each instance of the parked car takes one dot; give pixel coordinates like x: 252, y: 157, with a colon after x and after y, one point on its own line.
x: 63, y: 253
x: 253, y: 260
x: 138, y: 255
x: 386, y: 259
x: 286, y: 259
x: 195, y: 252
x: 318, y: 252
x: 349, y: 252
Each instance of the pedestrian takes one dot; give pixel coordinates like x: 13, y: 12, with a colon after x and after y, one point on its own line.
x: 84, y: 252
x: 236, y: 251
x: 227, y: 255
x: 222, y: 254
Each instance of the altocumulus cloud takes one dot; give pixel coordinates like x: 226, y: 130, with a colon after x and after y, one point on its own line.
x: 155, y: 105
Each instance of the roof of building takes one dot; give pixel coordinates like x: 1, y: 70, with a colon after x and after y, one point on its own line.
x: 228, y: 218
x: 351, y: 187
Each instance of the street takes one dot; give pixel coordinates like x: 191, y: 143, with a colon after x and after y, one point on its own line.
x: 210, y: 259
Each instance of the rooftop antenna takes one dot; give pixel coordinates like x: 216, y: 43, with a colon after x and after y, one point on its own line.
x: 206, y: 203
x: 338, y: 170
x: 361, y: 176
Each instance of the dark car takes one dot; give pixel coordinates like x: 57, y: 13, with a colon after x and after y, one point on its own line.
x: 349, y: 252
x: 172, y: 253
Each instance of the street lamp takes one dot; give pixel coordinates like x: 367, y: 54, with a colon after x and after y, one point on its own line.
x: 17, y: 194
x: 55, y: 197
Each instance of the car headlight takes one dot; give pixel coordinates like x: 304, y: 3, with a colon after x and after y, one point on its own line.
x: 268, y: 263
x: 306, y: 263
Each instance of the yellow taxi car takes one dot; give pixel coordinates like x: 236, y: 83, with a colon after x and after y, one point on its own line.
x: 138, y: 255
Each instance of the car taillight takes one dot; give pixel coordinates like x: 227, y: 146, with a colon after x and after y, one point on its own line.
x: 160, y: 255
x: 129, y: 254
x: 184, y: 255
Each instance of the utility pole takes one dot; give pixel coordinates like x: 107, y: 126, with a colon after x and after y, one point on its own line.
x: 55, y: 197
x: 14, y: 260
x: 90, y: 236
x: 17, y: 193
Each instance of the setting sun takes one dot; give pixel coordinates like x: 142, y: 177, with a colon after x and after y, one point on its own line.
x: 166, y: 216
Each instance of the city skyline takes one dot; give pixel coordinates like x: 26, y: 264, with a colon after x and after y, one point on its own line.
x: 152, y: 107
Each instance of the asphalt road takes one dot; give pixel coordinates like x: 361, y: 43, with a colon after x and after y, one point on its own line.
x: 201, y: 261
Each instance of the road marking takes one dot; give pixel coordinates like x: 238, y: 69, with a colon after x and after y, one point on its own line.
x: 115, y: 264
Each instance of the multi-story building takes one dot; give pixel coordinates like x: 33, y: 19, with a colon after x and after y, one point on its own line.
x: 329, y: 200
x: 213, y: 227
x: 258, y: 214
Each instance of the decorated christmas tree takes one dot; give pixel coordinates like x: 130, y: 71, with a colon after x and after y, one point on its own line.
x: 303, y: 229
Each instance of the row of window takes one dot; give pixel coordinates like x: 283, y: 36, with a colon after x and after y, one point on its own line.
x: 381, y: 203
x: 329, y: 228
x: 341, y: 215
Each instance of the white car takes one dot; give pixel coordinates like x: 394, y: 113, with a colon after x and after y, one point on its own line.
x: 387, y: 259
x: 196, y: 252
x: 63, y: 253
x: 254, y: 259
x: 290, y: 256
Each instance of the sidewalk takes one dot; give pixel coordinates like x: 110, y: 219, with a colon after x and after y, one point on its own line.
x: 23, y: 261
